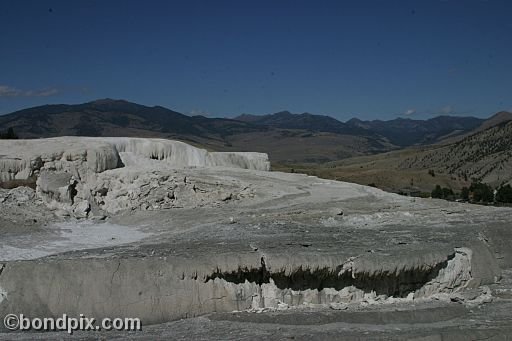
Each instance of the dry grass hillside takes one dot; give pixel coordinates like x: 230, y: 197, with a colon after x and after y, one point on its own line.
x: 485, y: 156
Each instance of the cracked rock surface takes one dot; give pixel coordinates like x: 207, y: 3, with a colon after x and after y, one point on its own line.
x: 230, y: 251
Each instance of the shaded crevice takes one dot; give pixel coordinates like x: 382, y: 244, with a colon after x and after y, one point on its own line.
x: 72, y: 191
x: 254, y: 275
x: 102, y: 192
x: 14, y: 183
x: 397, y: 283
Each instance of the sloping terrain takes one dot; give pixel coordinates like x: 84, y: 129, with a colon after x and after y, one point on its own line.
x: 484, y: 156
x: 498, y: 118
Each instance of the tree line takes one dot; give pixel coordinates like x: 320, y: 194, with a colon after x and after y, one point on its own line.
x: 478, y: 192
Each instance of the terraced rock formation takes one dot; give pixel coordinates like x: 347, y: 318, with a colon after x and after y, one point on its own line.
x: 163, y: 231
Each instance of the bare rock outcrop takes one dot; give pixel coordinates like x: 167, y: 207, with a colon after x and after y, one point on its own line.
x: 76, y: 173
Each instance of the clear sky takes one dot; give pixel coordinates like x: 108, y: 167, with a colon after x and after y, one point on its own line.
x: 367, y: 59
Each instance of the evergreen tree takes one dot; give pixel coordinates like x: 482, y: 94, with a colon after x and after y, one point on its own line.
x: 10, y: 135
x: 504, y: 194
x: 447, y: 193
x: 437, y: 192
x: 482, y: 192
x: 464, y: 193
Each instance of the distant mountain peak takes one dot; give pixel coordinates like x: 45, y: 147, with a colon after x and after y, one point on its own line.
x: 108, y: 101
x: 502, y: 115
x: 282, y: 113
x: 354, y: 120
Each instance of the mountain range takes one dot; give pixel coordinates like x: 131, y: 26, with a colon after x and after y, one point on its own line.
x: 401, y: 132
x: 285, y: 136
x: 109, y: 117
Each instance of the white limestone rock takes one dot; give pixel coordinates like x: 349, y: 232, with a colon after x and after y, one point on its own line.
x: 117, y: 173
x: 18, y: 195
x: 82, y: 209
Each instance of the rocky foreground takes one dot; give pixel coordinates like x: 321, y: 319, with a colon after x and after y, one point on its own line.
x: 213, y: 245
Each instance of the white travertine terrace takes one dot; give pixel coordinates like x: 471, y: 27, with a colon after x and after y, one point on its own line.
x: 20, y: 158
x: 75, y: 173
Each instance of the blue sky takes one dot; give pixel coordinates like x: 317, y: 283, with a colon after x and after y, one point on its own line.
x: 366, y: 59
